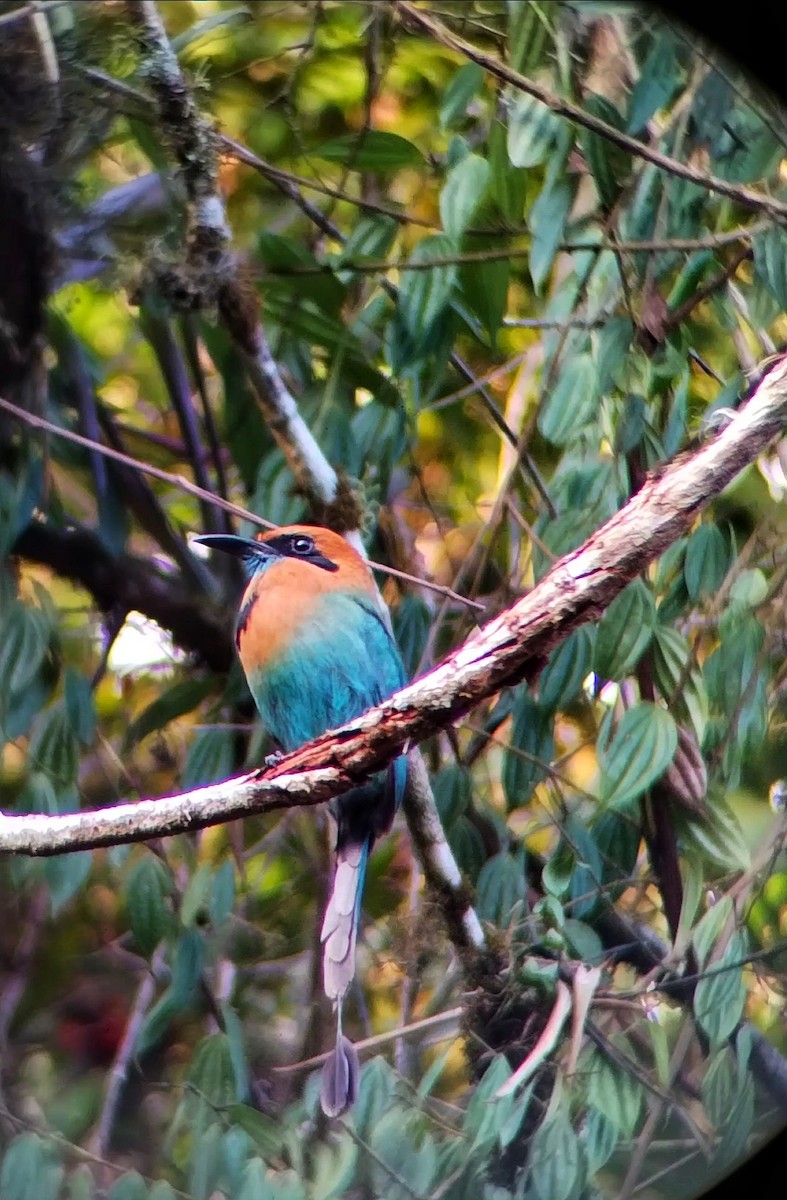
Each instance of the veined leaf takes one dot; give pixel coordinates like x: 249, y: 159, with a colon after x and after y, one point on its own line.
x: 641, y: 749
x: 462, y: 193
x: 374, y: 150
x: 624, y: 632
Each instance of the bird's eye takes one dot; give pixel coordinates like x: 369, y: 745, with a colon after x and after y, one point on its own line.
x: 302, y: 545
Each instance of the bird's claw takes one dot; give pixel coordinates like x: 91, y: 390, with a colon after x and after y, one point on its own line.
x: 274, y: 758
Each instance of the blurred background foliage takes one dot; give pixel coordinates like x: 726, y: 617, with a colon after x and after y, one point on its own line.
x: 494, y: 322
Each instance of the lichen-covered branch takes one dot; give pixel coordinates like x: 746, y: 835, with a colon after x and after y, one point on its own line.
x: 213, y: 274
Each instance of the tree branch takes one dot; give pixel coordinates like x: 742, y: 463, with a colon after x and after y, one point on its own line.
x: 514, y: 645
x: 134, y: 583
x: 757, y: 201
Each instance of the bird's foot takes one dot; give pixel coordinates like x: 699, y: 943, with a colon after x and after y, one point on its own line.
x: 274, y: 758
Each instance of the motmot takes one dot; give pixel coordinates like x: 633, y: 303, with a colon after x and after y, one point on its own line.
x: 316, y: 652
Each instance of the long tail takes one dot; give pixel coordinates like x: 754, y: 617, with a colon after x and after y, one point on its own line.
x: 339, y: 931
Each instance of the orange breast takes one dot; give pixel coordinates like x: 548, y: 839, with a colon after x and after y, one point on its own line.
x: 279, y: 602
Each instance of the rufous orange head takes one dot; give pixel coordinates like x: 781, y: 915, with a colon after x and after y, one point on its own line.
x: 311, y: 557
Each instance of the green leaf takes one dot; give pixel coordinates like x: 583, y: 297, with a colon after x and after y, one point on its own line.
x: 373, y: 150
x: 707, y: 561
x: 208, y: 25
x: 509, y: 183
x: 499, y: 887
x: 335, y: 1168
x: 609, y: 165
x: 547, y: 226
x: 424, y: 294
x: 286, y: 255
x: 719, y: 837
x: 485, y: 289
x: 371, y: 239
x: 376, y: 1094
x: 611, y: 346
x: 162, y: 1190
x: 453, y: 788
x: 583, y: 942
x: 187, y: 965
x: 670, y: 654
x: 485, y: 1113
x: 464, y: 87
x: 744, y: 149
x: 624, y: 632
x: 196, y: 898
x: 631, y: 425
x: 65, y: 875
x: 616, y: 838
x: 158, y: 1022
x: 255, y: 1181
x: 222, y: 897
x: 24, y: 644
x: 467, y: 846
x: 770, y: 263
x: 713, y: 99
x: 587, y: 875
x: 615, y: 1092
x: 721, y: 993
x: 205, y: 1166
x: 462, y: 193
x: 263, y: 1131
x: 739, y: 1125
x: 80, y: 708
x: 210, y: 758
x: 749, y: 589
x: 567, y: 668
x: 400, y: 1158
x: 656, y: 84
x: 532, y: 132
x: 641, y: 749
x: 211, y: 1077
x: 600, y: 1136
x: 710, y: 928
x: 130, y: 1186
x: 491, y: 1114
x: 556, y: 875
x: 529, y: 31
x: 53, y: 747
x: 237, y: 1045
x: 556, y: 1161
x: 148, y: 889
x: 182, y: 697
x: 572, y: 403
x: 30, y: 1170
x: 80, y: 1186
x: 721, y: 1086
x: 530, y: 751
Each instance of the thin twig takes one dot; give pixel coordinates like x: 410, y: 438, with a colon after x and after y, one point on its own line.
x: 192, y: 489
x: 423, y: 21
x: 118, y: 1073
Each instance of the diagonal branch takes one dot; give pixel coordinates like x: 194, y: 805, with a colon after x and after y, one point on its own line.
x: 757, y: 201
x: 509, y: 648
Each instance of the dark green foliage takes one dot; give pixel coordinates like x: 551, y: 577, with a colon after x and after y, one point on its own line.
x: 493, y: 321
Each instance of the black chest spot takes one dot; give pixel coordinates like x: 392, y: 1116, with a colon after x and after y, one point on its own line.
x: 244, y: 617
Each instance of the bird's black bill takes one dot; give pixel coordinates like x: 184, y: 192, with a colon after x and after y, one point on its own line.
x: 240, y: 547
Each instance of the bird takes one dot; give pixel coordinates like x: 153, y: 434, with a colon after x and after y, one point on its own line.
x: 317, y: 652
